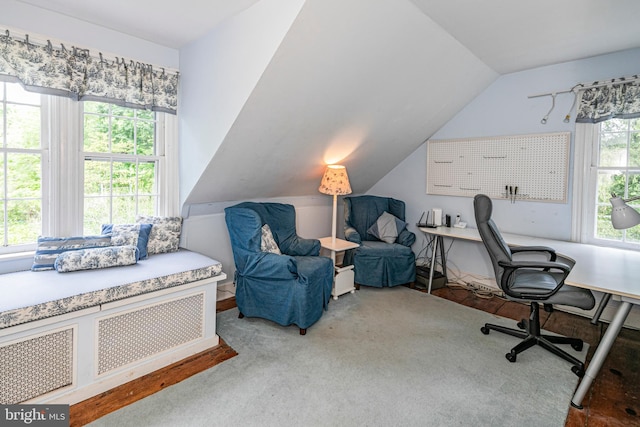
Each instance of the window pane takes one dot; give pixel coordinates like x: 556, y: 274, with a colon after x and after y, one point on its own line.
x: 23, y: 175
x: 2, y: 234
x: 145, y: 138
x: 15, y: 93
x: 97, y: 177
x: 634, y: 150
x: 610, y: 182
x: 122, y: 136
x: 613, y: 150
x: 23, y: 126
x: 604, y: 228
x: 2, y: 195
x: 124, y: 178
x: 147, y: 178
x: 147, y: 205
x: 614, y: 125
x: 124, y: 210
x: 116, y: 110
x: 97, y: 211
x: 96, y: 107
x: 96, y: 134
x: 24, y: 221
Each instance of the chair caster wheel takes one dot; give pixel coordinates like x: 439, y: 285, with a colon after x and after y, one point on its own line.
x: 484, y: 330
x: 578, y: 370
x: 577, y: 346
x: 511, y: 357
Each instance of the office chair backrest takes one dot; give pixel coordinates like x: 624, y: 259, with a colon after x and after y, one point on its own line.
x: 493, y: 241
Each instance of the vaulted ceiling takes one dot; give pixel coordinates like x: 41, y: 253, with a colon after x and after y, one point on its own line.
x: 362, y: 82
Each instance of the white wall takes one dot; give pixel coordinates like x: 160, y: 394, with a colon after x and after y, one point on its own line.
x: 504, y: 109
x: 218, y: 73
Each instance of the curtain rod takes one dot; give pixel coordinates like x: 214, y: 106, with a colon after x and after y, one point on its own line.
x: 597, y: 83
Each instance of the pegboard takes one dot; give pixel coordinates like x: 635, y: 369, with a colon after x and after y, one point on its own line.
x: 537, y: 164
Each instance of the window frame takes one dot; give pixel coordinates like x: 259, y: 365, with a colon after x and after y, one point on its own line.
x: 585, y: 182
x: 62, y: 166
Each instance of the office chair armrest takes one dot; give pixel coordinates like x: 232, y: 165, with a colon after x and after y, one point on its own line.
x: 546, y: 249
x: 352, y: 235
x: 544, y: 265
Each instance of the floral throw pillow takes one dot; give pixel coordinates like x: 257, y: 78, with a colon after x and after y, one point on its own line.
x: 165, y: 233
x: 90, y: 259
x: 268, y: 243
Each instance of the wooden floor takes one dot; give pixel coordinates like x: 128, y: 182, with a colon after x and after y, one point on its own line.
x: 612, y: 401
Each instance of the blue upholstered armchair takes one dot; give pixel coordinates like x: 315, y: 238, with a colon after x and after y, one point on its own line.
x: 383, y: 258
x: 285, y: 281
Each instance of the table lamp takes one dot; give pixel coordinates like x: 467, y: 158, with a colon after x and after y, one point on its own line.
x: 622, y: 215
x: 336, y: 183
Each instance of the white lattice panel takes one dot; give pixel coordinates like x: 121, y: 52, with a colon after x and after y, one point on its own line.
x: 138, y: 334
x: 35, y: 366
x: 537, y: 164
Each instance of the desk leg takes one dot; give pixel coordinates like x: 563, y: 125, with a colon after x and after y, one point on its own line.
x: 433, y: 262
x: 601, y: 353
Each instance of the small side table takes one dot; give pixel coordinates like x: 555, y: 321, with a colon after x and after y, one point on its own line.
x: 343, y: 280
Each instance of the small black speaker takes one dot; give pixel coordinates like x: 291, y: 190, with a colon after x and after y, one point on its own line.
x: 447, y: 220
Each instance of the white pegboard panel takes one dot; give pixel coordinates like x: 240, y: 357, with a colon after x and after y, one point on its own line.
x: 537, y: 164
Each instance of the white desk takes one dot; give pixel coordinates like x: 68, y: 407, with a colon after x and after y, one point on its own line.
x: 609, y: 270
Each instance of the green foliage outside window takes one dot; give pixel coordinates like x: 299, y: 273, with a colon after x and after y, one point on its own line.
x: 119, y: 168
x: 618, y: 173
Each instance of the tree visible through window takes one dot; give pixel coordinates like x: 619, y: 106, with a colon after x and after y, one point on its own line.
x: 618, y: 165
x: 120, y: 165
x: 20, y: 166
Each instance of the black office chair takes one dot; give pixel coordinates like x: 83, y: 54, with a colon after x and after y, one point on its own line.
x: 534, y: 281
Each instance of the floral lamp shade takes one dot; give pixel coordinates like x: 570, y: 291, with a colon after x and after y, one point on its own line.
x: 335, y: 181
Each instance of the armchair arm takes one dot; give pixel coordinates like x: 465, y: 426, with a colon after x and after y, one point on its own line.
x: 273, y: 266
x: 299, y: 246
x: 406, y: 237
x: 352, y: 235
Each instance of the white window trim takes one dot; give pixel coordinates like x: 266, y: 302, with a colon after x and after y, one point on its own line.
x: 585, y: 176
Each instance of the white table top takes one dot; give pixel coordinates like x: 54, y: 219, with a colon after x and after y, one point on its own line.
x: 339, y: 245
x: 609, y: 270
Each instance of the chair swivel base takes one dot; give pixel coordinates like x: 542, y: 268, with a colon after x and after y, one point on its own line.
x: 530, y: 333
x: 303, y: 331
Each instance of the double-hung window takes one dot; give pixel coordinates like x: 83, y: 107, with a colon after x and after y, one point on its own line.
x: 612, y: 165
x: 120, y: 165
x: 22, y: 158
x: 67, y: 167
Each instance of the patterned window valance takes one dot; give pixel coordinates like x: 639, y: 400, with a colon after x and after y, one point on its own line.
x: 76, y: 74
x: 617, y: 99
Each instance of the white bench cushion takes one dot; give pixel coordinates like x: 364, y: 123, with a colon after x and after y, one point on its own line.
x: 29, y: 295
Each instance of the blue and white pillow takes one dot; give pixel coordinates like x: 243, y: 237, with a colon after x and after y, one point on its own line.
x: 90, y: 259
x: 129, y: 234
x: 387, y: 227
x: 165, y: 234
x: 48, y: 248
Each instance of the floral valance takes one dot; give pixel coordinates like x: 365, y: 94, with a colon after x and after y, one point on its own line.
x: 600, y: 102
x: 76, y: 74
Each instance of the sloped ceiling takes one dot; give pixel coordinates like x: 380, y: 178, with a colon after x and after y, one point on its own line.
x: 358, y: 83
x: 361, y: 82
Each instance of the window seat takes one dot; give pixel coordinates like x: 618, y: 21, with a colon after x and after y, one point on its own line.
x: 65, y: 337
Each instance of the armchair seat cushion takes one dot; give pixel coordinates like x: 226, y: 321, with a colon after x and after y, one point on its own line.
x: 374, y: 248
